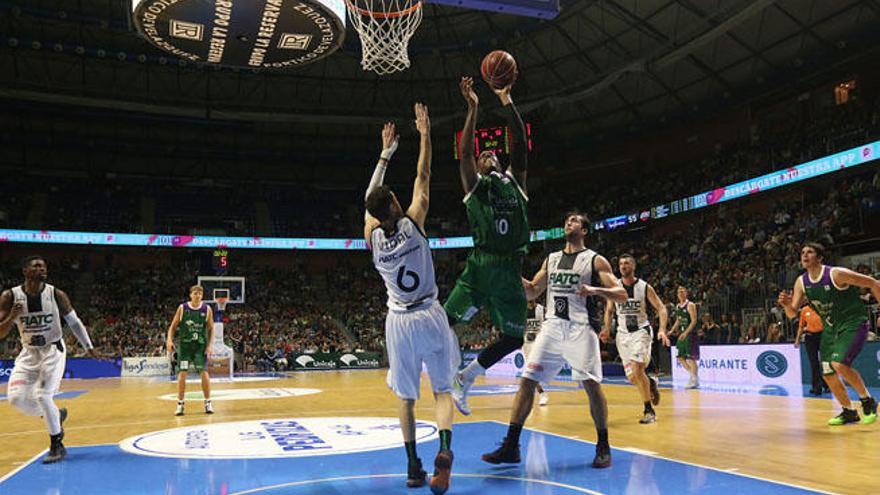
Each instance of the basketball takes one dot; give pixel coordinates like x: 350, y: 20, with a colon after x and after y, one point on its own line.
x: 498, y: 69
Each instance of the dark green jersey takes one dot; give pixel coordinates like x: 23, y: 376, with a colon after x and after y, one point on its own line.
x: 683, y: 316
x: 838, y: 308
x: 193, y: 326
x: 496, y: 210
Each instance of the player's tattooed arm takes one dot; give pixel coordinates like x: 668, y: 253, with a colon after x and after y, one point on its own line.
x: 467, y: 162
x: 9, y: 311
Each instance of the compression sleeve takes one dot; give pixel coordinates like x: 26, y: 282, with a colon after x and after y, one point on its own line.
x: 79, y: 330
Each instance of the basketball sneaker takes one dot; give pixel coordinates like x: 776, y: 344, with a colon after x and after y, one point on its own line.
x: 869, y: 410
x: 543, y: 399
x: 655, y: 390
x: 209, y: 409
x: 442, y: 472
x: 603, y: 457
x: 505, y: 454
x: 179, y: 410
x: 460, y: 388
x: 648, y: 418
x: 415, y: 475
x: 847, y: 416
x: 56, y: 449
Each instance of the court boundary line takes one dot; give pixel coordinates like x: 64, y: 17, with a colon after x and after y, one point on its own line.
x: 25, y: 464
x: 659, y: 456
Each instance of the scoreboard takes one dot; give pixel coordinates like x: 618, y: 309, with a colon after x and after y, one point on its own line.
x: 220, y: 261
x: 494, y: 139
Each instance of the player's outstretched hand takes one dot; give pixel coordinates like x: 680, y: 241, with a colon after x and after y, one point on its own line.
x: 664, y: 338
x: 466, y: 85
x: 586, y: 290
x: 389, y: 137
x: 504, y: 93
x: 423, y: 121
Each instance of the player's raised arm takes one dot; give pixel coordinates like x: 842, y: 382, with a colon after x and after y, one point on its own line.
x: 390, y: 140
x: 418, y: 209
x: 467, y: 162
x: 519, y: 147
x: 537, y: 284
x: 9, y: 311
x: 611, y: 288
x: 75, y: 324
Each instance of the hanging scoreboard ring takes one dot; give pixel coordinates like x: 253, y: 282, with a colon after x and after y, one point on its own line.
x: 269, y: 34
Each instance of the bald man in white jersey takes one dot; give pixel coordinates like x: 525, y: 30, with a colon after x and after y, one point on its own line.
x: 416, y: 329
x: 36, y: 309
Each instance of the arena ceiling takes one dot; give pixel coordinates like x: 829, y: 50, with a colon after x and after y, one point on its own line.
x: 601, y: 66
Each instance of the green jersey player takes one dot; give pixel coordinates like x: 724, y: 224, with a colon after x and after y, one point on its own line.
x: 834, y: 292
x: 196, y: 322
x: 495, y: 200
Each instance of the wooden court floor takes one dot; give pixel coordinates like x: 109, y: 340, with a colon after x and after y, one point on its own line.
x: 777, y: 438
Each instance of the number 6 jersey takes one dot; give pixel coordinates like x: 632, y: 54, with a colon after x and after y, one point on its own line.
x: 404, y: 260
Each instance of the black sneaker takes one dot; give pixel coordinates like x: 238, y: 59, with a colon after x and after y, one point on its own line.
x: 56, y: 450
x: 415, y: 475
x: 442, y: 472
x: 505, y: 454
x: 846, y: 417
x: 648, y: 418
x: 655, y: 390
x: 603, y: 457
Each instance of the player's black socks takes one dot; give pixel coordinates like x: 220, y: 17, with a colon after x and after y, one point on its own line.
x: 411, y: 455
x: 603, y: 437
x: 648, y: 406
x: 445, y: 440
x: 513, y: 432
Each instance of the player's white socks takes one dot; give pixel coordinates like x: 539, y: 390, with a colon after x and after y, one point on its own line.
x: 472, y: 371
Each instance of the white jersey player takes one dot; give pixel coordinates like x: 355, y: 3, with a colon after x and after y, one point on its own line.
x: 416, y: 327
x: 572, y: 278
x: 35, y: 308
x: 634, y: 333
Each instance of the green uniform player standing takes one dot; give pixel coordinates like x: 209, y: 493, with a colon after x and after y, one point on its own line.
x: 496, y: 204
x: 195, y: 319
x: 834, y: 292
x: 688, y: 344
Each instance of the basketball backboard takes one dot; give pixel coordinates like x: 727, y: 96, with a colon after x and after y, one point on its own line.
x: 232, y: 288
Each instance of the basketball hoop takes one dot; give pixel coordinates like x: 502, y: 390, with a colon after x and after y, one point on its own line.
x: 385, y: 27
x: 221, y: 303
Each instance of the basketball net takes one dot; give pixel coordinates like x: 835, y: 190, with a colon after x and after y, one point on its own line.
x: 221, y: 303
x: 385, y: 28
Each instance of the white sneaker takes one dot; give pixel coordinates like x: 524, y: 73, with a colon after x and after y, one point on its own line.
x: 179, y: 411
x: 460, y: 389
x: 692, y: 384
x: 543, y: 399
x: 209, y: 409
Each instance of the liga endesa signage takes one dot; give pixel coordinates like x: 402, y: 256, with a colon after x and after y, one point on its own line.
x: 146, y: 366
x: 336, y: 361
x: 243, y: 33
x: 753, y: 365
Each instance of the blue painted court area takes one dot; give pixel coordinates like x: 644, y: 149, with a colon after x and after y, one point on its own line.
x: 551, y: 465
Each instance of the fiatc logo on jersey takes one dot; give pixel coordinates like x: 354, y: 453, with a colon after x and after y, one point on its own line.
x: 292, y: 437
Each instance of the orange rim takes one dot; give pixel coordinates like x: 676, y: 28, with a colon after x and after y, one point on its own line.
x: 384, y: 15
